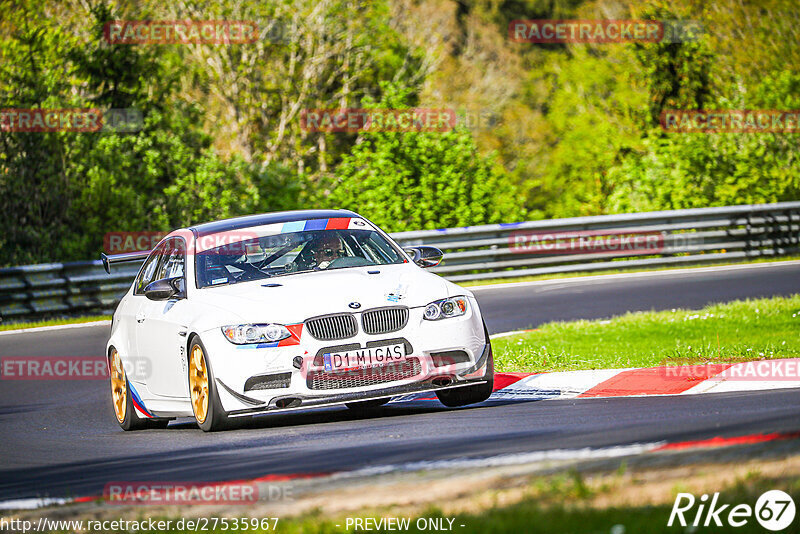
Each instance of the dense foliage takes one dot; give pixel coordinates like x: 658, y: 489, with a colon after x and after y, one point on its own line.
x: 574, y: 128
x: 422, y: 180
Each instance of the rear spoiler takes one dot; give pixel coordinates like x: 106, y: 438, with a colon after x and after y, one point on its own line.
x: 122, y: 258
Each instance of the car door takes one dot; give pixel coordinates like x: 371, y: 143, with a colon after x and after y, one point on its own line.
x: 162, y: 327
x: 128, y: 315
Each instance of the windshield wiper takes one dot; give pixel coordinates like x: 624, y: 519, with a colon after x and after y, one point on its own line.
x: 294, y: 272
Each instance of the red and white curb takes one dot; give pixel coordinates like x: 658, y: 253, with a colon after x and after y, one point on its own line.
x: 638, y: 382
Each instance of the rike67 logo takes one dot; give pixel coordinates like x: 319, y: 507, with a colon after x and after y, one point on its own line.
x: 774, y: 510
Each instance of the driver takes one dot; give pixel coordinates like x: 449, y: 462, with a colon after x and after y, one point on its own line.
x: 326, y: 248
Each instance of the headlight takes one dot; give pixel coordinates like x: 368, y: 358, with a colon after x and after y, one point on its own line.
x: 445, y: 308
x: 242, y: 334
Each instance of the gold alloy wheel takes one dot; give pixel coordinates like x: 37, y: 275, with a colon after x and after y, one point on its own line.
x: 198, y: 383
x: 119, y: 387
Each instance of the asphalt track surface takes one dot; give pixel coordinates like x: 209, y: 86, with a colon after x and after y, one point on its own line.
x: 59, y: 438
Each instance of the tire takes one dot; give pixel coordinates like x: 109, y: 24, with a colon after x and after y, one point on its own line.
x: 367, y: 404
x: 203, y: 394
x: 122, y: 399
x: 453, y: 398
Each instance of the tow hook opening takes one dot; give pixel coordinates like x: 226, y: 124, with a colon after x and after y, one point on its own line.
x: 288, y: 402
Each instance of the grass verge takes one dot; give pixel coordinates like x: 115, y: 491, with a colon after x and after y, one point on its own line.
x: 54, y: 322
x: 567, y: 506
x: 617, y: 500
x: 736, y: 331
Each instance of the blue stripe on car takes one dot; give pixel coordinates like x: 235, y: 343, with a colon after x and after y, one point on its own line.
x: 257, y: 345
x: 137, y: 401
x: 316, y: 224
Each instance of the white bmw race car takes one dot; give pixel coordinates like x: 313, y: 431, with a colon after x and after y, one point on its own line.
x: 286, y: 311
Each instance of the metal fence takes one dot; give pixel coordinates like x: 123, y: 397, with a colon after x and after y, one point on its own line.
x: 678, y: 237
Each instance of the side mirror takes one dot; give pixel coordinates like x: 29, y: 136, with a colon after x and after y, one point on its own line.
x: 164, y: 289
x: 425, y: 256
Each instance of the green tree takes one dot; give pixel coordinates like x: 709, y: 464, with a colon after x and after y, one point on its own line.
x: 679, y: 73
x: 63, y: 191
x: 34, y: 186
x: 596, y: 107
x: 421, y: 180
x: 690, y: 170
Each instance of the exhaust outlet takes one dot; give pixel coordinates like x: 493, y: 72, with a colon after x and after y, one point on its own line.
x: 442, y: 381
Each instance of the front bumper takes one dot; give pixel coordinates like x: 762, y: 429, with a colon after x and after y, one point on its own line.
x: 341, y: 398
x: 233, y: 365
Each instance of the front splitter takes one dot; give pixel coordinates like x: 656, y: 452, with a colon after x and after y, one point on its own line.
x: 342, y: 398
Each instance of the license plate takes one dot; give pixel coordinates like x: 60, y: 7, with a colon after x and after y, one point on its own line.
x: 362, y: 358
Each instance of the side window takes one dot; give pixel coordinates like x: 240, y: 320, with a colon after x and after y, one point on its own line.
x: 148, y: 271
x: 173, y: 264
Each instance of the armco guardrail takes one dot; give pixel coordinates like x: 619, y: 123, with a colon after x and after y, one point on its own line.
x: 689, y: 236
x: 678, y: 237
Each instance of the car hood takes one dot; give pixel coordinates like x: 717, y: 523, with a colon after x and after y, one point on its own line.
x: 300, y: 296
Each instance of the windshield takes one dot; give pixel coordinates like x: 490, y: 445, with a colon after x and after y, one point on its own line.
x: 261, y: 257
